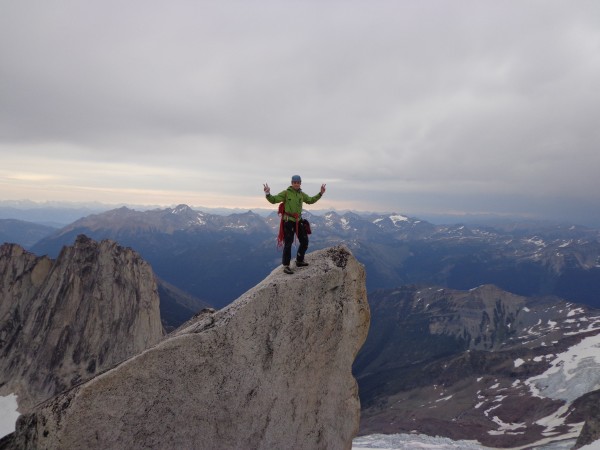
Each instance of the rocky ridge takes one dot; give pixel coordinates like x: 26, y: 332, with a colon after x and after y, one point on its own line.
x: 64, y: 321
x: 271, y: 370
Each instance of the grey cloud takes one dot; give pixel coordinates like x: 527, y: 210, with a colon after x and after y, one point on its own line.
x: 412, y: 100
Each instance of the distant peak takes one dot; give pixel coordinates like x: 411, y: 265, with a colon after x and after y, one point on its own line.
x: 181, y: 209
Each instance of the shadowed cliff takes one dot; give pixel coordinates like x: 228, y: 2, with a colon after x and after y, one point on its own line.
x: 63, y: 321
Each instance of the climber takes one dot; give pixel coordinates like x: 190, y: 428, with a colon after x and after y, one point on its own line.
x: 291, y: 220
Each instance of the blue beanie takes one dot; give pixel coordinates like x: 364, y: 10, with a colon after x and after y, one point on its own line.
x: 296, y: 178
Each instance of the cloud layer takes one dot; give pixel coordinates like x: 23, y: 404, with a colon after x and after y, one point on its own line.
x: 468, y: 106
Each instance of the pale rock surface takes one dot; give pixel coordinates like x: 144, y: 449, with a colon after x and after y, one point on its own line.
x: 270, y: 371
x: 64, y: 321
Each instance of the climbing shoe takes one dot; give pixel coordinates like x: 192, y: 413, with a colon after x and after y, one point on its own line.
x: 301, y: 264
x: 286, y: 269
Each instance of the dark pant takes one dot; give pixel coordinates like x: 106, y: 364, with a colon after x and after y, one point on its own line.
x: 289, y: 230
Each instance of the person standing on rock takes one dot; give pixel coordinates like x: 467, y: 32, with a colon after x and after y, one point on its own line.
x: 292, y: 222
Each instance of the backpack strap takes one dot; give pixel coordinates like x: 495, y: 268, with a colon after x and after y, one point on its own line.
x: 281, y: 235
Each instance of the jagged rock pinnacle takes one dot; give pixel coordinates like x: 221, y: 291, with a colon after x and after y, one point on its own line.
x: 63, y: 321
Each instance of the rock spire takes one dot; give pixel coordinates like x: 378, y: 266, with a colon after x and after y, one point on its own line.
x: 271, y: 370
x: 63, y: 321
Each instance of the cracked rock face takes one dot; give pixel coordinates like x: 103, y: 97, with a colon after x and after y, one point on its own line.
x: 64, y: 321
x: 271, y: 370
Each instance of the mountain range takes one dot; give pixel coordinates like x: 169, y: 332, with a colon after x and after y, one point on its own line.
x: 216, y: 258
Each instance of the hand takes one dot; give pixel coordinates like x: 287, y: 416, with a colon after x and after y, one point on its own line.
x: 323, y: 189
x: 266, y: 188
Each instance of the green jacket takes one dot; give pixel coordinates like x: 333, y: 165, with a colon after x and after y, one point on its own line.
x: 293, y: 201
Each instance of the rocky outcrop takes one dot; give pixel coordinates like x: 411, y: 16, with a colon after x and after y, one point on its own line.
x: 62, y: 322
x: 271, y: 370
x: 587, y: 409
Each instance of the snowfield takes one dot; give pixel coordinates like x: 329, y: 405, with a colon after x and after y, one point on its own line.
x: 412, y: 442
x: 571, y: 374
x: 8, y: 414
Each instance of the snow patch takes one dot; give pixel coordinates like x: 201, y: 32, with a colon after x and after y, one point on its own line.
x: 345, y: 223
x: 519, y: 362
x: 396, y: 219
x: 557, y: 419
x: 8, y: 414
x: 536, y: 241
x: 507, y: 428
x: 236, y: 226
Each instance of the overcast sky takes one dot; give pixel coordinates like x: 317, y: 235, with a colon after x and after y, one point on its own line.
x: 407, y: 106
